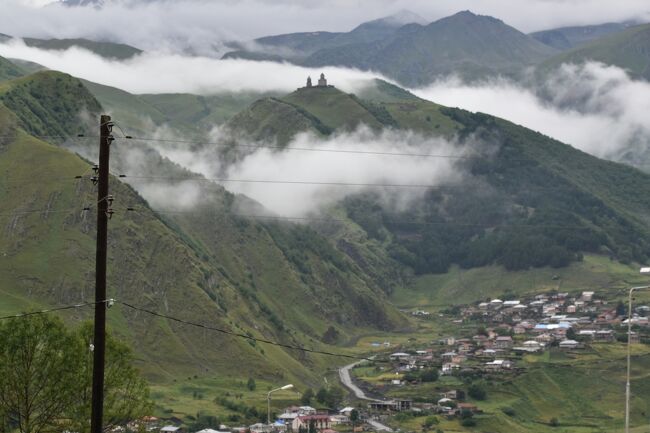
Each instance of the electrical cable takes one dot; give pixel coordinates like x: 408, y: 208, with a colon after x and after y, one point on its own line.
x: 185, y: 322
x: 239, y: 335
x: 389, y: 222
x: 53, y: 310
x: 46, y: 211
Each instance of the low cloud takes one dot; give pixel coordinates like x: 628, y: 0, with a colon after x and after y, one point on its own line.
x: 313, y: 178
x: 596, y: 108
x: 331, y: 167
x: 173, y: 73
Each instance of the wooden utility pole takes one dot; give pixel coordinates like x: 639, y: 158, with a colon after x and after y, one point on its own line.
x: 99, y: 340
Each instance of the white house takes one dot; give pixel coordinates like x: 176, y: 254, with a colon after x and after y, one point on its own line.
x: 569, y: 344
x: 499, y: 364
x: 306, y: 410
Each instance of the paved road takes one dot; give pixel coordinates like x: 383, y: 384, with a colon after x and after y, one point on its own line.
x: 346, y: 380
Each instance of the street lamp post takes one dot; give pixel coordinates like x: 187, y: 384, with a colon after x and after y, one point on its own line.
x: 268, y: 401
x: 629, y: 351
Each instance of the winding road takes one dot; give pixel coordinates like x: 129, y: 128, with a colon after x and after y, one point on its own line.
x: 346, y: 380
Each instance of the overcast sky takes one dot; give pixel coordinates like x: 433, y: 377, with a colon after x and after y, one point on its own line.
x: 182, y: 23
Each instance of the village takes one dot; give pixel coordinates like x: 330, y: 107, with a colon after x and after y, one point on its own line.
x: 493, y: 338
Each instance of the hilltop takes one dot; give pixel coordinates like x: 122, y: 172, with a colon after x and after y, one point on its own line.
x: 9, y: 70
x: 628, y: 49
x: 565, y: 38
x: 506, y: 211
x: 109, y: 50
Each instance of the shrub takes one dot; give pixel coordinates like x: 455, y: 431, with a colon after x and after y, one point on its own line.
x: 477, y: 392
x: 508, y: 411
x: 468, y: 422
x: 430, y: 422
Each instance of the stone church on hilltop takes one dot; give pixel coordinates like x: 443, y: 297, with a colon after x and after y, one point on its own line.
x: 322, y: 82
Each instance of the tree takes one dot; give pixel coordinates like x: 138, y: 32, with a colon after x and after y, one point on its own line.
x: 410, y: 376
x: 126, y: 394
x: 430, y: 421
x: 39, y: 365
x: 251, y: 384
x: 571, y: 334
x: 46, y: 377
x: 334, y: 397
x: 354, y: 417
x: 307, y: 396
x: 621, y: 309
x: 330, y: 336
x: 321, y: 395
x: 430, y: 375
x: 477, y: 392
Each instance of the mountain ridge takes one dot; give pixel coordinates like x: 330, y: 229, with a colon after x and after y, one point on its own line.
x: 470, y: 45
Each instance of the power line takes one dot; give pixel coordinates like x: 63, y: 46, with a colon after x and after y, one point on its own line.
x: 389, y: 222
x: 326, y: 183
x: 53, y: 310
x: 430, y: 187
x: 239, y: 335
x: 110, y: 302
x: 329, y: 150
x: 63, y: 137
x: 284, y: 182
x: 301, y: 149
x: 45, y: 211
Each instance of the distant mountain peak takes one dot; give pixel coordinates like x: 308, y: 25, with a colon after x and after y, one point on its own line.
x: 96, y: 3
x: 468, y: 15
x: 404, y: 16
x: 395, y: 20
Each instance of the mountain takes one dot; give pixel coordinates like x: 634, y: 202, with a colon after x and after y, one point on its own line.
x: 628, y: 49
x: 565, y: 38
x: 466, y: 44
x: 526, y: 200
x: 526, y: 206
x: 414, y: 54
x: 109, y: 50
x: 9, y: 70
x: 189, y: 114
x: 298, y: 46
x: 271, y: 280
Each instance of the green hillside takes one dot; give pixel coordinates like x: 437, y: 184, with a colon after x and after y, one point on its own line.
x: 109, y: 50
x: 49, y: 103
x: 530, y: 214
x: 183, y: 112
x: 8, y: 70
x: 629, y: 49
x: 209, y: 266
x: 527, y: 200
x: 202, y: 112
x: 565, y: 38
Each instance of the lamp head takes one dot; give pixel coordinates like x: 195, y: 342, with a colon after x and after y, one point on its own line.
x: 645, y: 270
x: 287, y: 386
